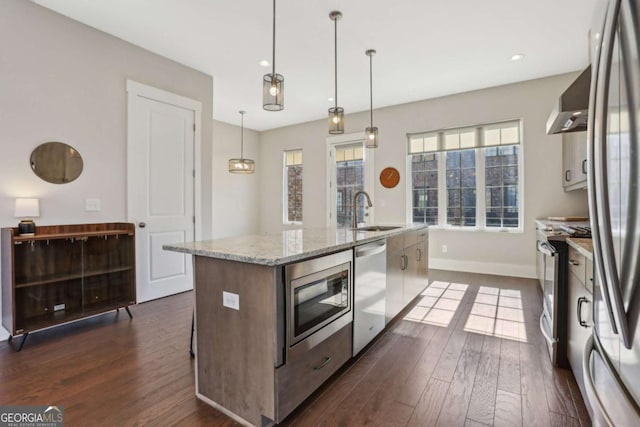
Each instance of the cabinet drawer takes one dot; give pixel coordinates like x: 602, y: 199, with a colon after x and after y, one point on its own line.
x: 410, y: 238
x: 422, y: 235
x: 577, y: 264
x: 298, y: 378
x: 395, y: 243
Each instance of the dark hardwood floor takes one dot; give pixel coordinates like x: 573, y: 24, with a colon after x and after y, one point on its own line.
x: 468, y: 353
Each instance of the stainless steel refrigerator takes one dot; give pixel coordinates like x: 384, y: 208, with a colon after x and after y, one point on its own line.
x: 611, y: 363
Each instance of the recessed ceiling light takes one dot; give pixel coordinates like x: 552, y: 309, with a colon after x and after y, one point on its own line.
x: 330, y: 99
x: 264, y: 63
x: 517, y: 57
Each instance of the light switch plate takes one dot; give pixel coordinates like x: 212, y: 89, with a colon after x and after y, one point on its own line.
x: 92, y: 205
x: 231, y: 300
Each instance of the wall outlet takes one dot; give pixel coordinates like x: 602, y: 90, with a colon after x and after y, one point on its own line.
x: 92, y: 205
x: 231, y: 300
x: 444, y: 249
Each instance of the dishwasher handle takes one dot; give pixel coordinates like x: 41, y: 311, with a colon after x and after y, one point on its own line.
x: 371, y: 249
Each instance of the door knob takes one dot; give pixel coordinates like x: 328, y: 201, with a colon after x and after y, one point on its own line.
x: 142, y: 224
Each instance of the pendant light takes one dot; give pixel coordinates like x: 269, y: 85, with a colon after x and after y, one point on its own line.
x: 242, y: 165
x: 371, y: 132
x: 336, y: 114
x: 273, y: 84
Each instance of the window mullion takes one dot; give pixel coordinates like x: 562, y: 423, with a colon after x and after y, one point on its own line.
x: 480, y: 190
x: 442, y: 189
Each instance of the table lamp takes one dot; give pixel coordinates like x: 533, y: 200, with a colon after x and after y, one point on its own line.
x: 27, y: 209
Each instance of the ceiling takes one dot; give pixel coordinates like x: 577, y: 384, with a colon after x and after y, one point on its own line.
x: 425, y: 48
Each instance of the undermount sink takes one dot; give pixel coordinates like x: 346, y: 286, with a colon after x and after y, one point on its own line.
x: 376, y: 228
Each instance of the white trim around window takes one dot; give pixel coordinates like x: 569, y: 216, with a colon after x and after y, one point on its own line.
x: 437, y: 143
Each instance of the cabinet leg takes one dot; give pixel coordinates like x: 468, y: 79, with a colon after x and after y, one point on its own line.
x: 24, y: 338
x: 128, y: 312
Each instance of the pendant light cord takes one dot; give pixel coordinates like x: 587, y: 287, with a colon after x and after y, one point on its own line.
x: 335, y: 40
x: 242, y: 134
x: 273, y: 58
x: 371, y: 88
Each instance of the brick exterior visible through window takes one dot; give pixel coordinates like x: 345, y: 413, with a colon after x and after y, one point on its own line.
x: 293, y: 186
x: 467, y: 177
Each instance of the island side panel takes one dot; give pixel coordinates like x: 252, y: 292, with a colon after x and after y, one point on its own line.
x: 236, y: 348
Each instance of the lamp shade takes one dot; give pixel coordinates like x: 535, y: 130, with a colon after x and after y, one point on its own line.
x: 27, y: 208
x: 242, y: 166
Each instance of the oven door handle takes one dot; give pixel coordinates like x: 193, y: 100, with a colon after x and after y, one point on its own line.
x: 549, y: 339
x: 546, y: 248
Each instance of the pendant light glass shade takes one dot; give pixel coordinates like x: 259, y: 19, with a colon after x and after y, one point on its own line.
x: 273, y: 92
x: 272, y: 83
x: 336, y: 120
x: 336, y: 114
x: 371, y: 133
x: 371, y: 136
x: 242, y: 165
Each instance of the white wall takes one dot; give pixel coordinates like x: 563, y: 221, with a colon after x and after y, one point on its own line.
x: 489, y: 252
x: 64, y: 81
x: 236, y: 199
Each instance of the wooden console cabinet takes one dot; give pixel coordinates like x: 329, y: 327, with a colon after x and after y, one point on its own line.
x: 64, y: 273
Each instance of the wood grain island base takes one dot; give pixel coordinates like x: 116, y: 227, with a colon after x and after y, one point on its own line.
x: 243, y: 368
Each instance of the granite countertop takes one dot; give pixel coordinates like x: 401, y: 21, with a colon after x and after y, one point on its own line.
x: 285, y: 247
x: 583, y: 246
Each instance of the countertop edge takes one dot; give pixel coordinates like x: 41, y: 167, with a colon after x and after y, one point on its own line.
x: 583, y: 246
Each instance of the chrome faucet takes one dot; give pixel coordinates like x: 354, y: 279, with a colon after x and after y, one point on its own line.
x: 354, y: 208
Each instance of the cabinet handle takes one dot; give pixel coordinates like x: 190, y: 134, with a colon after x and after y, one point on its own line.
x: 142, y: 224
x: 419, y: 254
x: 582, y: 322
x: 567, y: 175
x: 324, y: 363
x: 573, y: 262
x: 584, y: 166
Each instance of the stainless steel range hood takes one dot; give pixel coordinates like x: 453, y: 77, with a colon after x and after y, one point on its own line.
x: 570, y: 113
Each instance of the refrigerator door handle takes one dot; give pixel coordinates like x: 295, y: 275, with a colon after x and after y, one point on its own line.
x: 593, y: 346
x: 611, y: 287
x: 630, y: 46
x: 596, y: 130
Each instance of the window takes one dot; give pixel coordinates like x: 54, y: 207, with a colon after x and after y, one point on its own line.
x: 467, y: 177
x: 349, y: 180
x: 293, y: 187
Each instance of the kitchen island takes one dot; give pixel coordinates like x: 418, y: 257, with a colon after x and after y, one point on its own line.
x: 247, y: 366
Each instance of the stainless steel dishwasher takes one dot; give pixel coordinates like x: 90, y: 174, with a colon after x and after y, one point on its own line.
x: 369, y: 292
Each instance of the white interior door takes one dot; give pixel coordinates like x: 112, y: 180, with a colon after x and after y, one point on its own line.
x: 160, y: 181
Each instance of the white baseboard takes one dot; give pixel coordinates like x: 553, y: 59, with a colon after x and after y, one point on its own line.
x: 498, y: 269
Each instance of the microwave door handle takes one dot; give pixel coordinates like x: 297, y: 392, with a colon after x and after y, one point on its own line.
x: 603, y: 241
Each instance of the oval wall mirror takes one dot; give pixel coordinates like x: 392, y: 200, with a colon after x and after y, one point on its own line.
x: 56, y: 162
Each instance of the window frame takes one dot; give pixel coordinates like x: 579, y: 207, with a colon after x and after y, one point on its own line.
x: 481, y: 206
x: 369, y: 179
x: 285, y: 188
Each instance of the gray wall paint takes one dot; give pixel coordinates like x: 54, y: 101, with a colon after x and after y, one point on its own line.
x: 236, y: 199
x: 490, y: 252
x: 64, y: 81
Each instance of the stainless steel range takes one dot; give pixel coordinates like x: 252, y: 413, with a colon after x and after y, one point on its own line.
x: 552, y: 267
